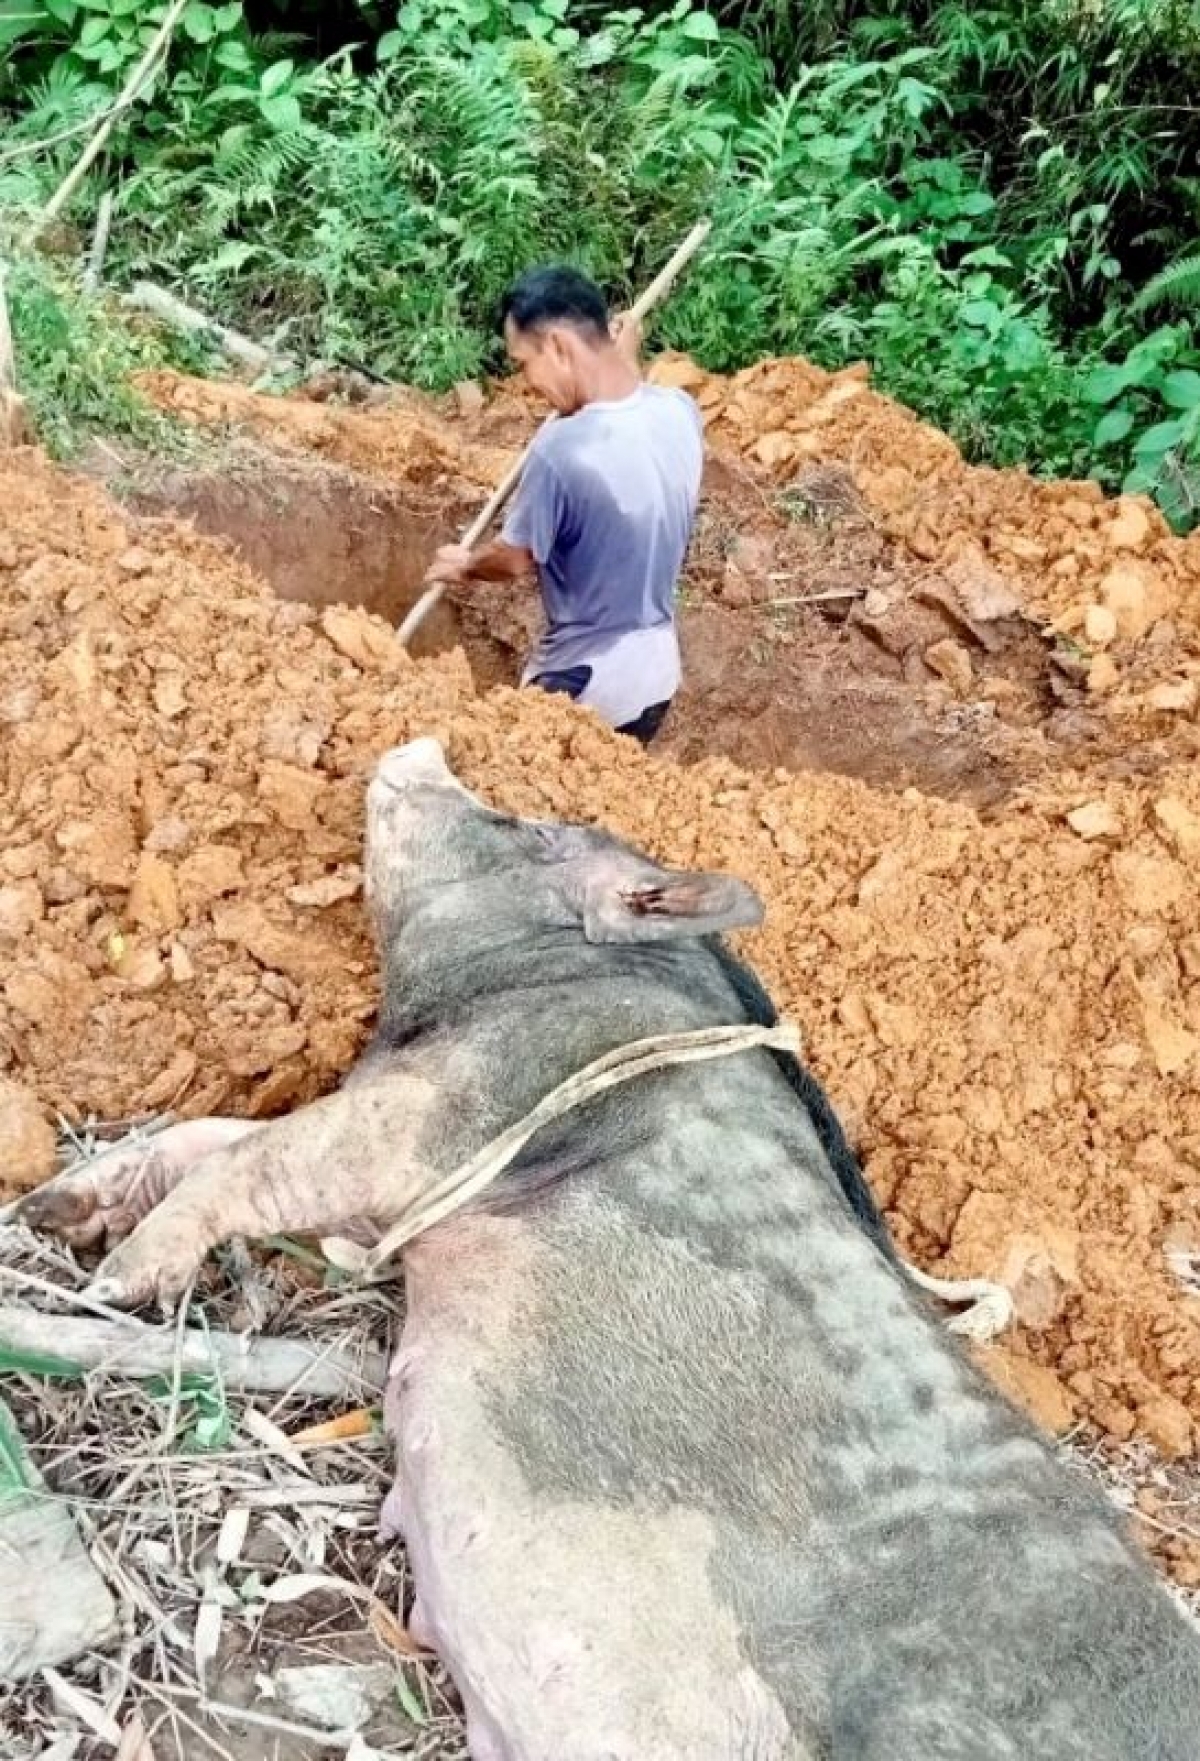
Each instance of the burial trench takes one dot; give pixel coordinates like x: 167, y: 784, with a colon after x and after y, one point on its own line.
x: 857, y: 598
x: 1004, y: 1003
x: 769, y: 685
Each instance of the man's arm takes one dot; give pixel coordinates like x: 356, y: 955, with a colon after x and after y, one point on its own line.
x: 498, y: 561
x: 528, y: 535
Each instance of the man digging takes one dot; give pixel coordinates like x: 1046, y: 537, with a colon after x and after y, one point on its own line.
x: 605, y: 508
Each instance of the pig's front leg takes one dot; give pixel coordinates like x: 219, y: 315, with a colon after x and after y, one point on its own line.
x: 352, y: 1155
x: 103, y: 1200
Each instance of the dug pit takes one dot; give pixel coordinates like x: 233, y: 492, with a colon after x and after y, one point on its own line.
x: 857, y: 598
x: 316, y: 533
x: 809, y: 643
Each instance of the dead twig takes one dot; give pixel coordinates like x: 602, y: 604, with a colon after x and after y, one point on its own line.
x: 29, y: 149
x: 160, y: 1691
x: 72, y: 1298
x: 309, y: 1733
x: 835, y: 593
x: 81, y: 1706
x: 125, y: 1582
x: 136, y: 1744
x: 99, y: 250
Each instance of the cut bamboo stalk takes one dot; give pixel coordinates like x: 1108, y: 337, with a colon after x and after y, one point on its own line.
x: 147, y: 296
x: 128, y: 95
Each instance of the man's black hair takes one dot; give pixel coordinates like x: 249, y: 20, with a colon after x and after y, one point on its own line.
x: 556, y: 294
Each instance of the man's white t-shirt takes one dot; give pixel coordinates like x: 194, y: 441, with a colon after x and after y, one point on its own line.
x: 606, y: 505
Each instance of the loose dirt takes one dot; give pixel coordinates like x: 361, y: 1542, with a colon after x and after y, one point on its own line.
x: 1103, y: 571
x: 1006, y: 1010
x: 857, y: 597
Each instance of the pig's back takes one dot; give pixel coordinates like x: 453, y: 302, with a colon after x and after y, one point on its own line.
x: 649, y: 1520
x: 580, y: 1624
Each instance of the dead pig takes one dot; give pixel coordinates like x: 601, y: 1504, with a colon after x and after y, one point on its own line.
x: 686, y: 1467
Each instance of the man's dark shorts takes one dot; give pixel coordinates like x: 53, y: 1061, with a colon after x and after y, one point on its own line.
x: 573, y: 680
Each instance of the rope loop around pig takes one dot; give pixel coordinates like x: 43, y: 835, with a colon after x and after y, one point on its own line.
x: 991, y: 1307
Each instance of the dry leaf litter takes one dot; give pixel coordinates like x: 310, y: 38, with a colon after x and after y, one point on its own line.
x: 258, y: 1615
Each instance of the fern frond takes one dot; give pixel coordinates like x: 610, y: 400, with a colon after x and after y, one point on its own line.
x: 763, y: 147
x: 62, y: 97
x: 1176, y: 285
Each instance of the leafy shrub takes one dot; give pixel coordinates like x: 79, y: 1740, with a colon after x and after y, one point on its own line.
x: 968, y: 196
x: 75, y: 359
x: 1151, y: 409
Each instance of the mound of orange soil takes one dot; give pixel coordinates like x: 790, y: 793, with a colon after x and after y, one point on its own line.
x: 1107, y: 574
x: 1006, y: 1012
x: 1109, y: 583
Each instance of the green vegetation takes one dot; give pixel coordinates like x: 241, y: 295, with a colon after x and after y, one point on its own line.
x: 997, y: 205
x: 76, y: 360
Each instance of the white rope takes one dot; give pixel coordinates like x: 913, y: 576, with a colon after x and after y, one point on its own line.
x: 991, y: 1310
x: 991, y: 1305
x: 466, y: 1182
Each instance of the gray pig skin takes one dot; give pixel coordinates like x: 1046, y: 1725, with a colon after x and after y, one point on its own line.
x: 687, y: 1470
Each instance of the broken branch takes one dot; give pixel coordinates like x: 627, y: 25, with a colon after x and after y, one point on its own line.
x: 147, y: 296
x: 818, y: 598
x: 134, y: 1349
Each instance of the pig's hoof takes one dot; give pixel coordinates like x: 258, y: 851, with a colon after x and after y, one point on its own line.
x: 62, y: 1207
x: 130, y: 1293
x: 98, y: 1204
x: 68, y: 1207
x: 113, y: 1294
x: 123, y: 1293
x: 135, y: 1274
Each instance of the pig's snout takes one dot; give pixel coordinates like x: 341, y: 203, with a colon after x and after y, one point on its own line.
x: 414, y: 795
x: 420, y: 761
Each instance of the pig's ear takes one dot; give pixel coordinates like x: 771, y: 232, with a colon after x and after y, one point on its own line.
x: 659, y: 906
